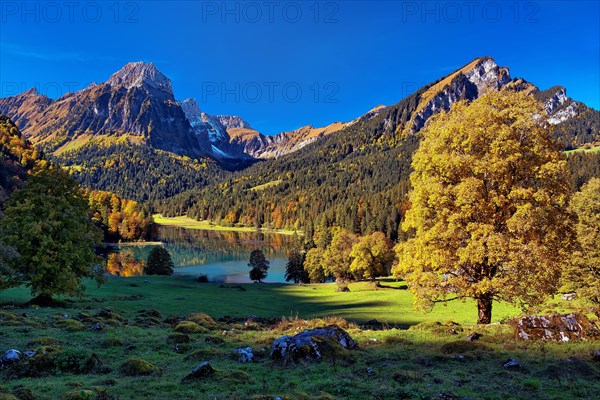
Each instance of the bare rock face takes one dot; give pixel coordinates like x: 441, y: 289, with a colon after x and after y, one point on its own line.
x: 558, y: 327
x: 468, y: 84
x: 310, y: 344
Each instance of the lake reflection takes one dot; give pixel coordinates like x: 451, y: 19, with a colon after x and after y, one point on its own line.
x: 222, y: 256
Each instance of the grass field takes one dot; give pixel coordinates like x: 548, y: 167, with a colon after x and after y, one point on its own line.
x: 189, y: 223
x: 391, y: 363
x: 595, y: 149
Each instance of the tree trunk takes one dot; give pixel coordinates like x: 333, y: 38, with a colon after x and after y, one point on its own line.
x: 42, y: 300
x: 484, y: 308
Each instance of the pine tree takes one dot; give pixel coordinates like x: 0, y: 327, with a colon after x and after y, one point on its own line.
x: 294, y: 269
x: 159, y: 262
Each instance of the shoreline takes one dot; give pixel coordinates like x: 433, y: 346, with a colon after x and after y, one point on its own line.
x: 188, y: 223
x: 133, y: 244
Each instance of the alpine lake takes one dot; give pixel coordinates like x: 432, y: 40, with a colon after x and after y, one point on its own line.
x: 220, y: 255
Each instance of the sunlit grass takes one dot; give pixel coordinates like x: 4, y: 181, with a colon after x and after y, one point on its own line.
x: 189, y: 223
x: 390, y: 364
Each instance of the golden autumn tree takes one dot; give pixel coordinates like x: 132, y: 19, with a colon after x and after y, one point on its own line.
x: 583, y: 273
x: 489, y: 206
x: 372, y: 256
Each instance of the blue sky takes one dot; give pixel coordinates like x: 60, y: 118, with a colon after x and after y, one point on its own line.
x: 284, y: 64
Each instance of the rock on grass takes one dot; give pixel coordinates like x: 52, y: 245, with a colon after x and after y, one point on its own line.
x: 201, y: 371
x: 313, y: 344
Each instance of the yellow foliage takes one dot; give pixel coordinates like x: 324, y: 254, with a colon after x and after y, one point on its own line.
x: 488, y: 206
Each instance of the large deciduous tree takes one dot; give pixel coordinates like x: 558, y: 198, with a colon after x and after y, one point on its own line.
x: 313, y: 265
x: 47, y: 222
x: 336, y: 258
x: 489, y: 206
x: 372, y: 256
x: 583, y: 273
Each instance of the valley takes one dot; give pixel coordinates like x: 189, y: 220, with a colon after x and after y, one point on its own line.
x: 401, y: 227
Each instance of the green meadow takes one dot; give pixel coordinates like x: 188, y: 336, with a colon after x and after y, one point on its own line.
x: 403, y: 355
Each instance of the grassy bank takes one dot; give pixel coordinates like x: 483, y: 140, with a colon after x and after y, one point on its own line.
x: 188, y: 223
x: 393, y: 363
x: 595, y: 149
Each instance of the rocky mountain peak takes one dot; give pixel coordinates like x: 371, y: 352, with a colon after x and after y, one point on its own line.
x: 232, y: 121
x: 139, y: 74
x: 190, y: 107
x: 31, y: 92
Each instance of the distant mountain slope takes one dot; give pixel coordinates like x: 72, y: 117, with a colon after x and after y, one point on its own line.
x: 17, y: 157
x: 355, y: 177
x: 136, y: 101
x: 134, y: 120
x: 575, y: 123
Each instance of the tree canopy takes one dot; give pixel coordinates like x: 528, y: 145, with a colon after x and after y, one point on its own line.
x: 488, y: 207
x: 47, y: 222
x: 294, y: 269
x: 583, y: 274
x: 372, y: 256
x: 159, y: 262
x: 259, y: 266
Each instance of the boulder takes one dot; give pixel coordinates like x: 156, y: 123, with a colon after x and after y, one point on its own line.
x: 11, y: 356
x: 558, y: 327
x: 201, y: 371
x: 596, y: 356
x: 311, y: 344
x: 512, y: 364
x: 245, y: 354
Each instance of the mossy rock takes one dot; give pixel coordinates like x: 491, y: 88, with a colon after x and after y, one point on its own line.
x: 105, y: 316
x: 214, y: 340
x: 44, y: 341
x: 70, y: 325
x: 235, y: 377
x: 82, y: 394
x: 331, y: 349
x: 190, y: 327
x: 10, y: 319
x: 77, y: 361
x: 178, y: 338
x: 438, y: 328
x: 42, y: 364
x: 88, y: 394
x: 149, y: 314
x: 23, y: 393
x: 203, y: 354
x: 137, y: 367
x: 6, y: 396
x: 147, y: 322
x: 203, y: 320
